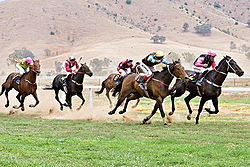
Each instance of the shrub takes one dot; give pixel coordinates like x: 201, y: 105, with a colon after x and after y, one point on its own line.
x: 232, y: 45
x: 188, y: 57
x: 58, y: 66
x: 236, y: 23
x: 52, y: 33
x: 217, y: 5
x: 248, y: 55
x: 98, y: 65
x: 128, y: 2
x: 47, y: 52
x: 204, y: 29
x: 185, y: 26
x: 23, y: 53
x: 158, y: 39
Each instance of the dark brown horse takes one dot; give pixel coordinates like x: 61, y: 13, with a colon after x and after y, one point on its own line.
x: 110, y: 84
x: 157, y: 88
x: 26, y: 87
x: 74, y: 85
x: 210, y: 88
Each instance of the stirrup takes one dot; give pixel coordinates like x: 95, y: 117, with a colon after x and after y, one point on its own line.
x: 65, y: 89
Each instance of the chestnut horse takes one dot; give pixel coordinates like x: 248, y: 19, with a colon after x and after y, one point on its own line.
x: 157, y: 88
x: 110, y: 84
x: 26, y: 87
x: 210, y: 88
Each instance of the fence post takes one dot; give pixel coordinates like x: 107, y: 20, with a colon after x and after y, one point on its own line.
x: 90, y: 98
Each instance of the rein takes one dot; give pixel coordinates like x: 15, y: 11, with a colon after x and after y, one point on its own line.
x: 29, y: 82
x: 160, y: 82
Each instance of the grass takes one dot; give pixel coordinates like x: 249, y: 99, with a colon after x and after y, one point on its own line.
x: 222, y: 140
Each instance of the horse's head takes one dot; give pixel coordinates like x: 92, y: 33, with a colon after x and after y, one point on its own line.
x: 36, y: 67
x: 231, y: 66
x: 84, y: 68
x: 177, y: 70
x: 137, y: 68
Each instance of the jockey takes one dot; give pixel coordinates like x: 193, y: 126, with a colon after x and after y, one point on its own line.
x: 70, y: 66
x: 203, y: 63
x: 147, y: 66
x: 124, y: 68
x: 23, y: 66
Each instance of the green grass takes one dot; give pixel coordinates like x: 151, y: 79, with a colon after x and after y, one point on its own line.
x: 219, y: 141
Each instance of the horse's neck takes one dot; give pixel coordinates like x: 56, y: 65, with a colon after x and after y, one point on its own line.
x: 217, y: 77
x: 164, y: 76
x: 31, y: 76
x: 78, y: 77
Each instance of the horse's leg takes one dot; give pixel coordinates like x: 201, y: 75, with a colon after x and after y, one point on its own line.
x: 21, y: 103
x: 156, y: 106
x: 138, y: 101
x: 187, y: 100
x: 202, y: 102
x: 163, y: 115
x: 83, y: 100
x: 7, y: 97
x: 57, y: 98
x: 107, y: 94
x: 215, y: 103
x: 36, y: 98
x: 18, y: 97
x: 68, y: 100
x: 121, y: 98
x: 131, y: 97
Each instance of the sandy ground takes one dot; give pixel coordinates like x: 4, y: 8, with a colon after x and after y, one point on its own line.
x: 48, y: 108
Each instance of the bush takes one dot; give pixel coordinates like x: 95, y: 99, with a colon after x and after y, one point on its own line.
x: 248, y: 55
x: 58, y: 66
x: 188, y: 57
x: 232, y: 45
x: 172, y: 56
x: 98, y: 65
x: 185, y: 26
x: 158, y: 39
x: 128, y: 2
x: 217, y: 5
x: 204, y: 29
x: 23, y: 53
x: 52, y: 33
x: 236, y: 23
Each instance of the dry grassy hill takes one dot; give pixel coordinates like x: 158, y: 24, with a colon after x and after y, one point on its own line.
x: 115, y: 29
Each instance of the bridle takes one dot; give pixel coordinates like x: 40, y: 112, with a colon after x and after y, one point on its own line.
x: 228, y: 66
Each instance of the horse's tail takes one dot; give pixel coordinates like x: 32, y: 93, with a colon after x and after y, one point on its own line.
x: 48, y: 87
x: 3, y: 88
x: 103, y: 86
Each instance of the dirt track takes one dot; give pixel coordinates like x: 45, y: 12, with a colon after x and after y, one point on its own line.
x: 49, y: 108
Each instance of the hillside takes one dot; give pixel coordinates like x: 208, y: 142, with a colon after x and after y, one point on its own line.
x: 114, y: 29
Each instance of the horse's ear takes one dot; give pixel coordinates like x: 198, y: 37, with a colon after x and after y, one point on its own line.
x: 173, y: 62
x: 179, y: 60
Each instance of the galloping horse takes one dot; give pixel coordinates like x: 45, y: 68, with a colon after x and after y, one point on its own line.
x: 74, y: 85
x: 157, y: 88
x: 26, y: 87
x: 210, y: 88
x: 110, y: 84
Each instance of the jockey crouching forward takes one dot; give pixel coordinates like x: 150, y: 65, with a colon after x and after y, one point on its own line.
x: 147, y: 66
x: 70, y: 66
x: 124, y: 68
x: 202, y: 65
x: 23, y: 66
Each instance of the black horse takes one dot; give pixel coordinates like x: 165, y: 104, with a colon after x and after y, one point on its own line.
x: 74, y: 85
x: 210, y: 88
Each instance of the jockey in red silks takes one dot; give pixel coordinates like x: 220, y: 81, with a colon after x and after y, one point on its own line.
x: 124, y: 68
x: 69, y: 66
x: 23, y: 66
x: 203, y: 63
x: 147, y: 66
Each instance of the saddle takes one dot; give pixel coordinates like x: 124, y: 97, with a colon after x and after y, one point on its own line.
x: 194, y: 77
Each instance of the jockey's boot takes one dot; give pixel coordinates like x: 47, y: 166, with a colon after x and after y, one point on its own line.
x: 142, y: 80
x: 200, y: 78
x: 65, y: 85
x: 118, y: 86
x: 17, y: 79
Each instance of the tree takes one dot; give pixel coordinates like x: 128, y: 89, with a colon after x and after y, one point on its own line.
x: 185, y: 26
x: 58, y: 66
x: 158, y: 39
x: 188, y: 57
x: 204, y: 29
x: 98, y: 65
x: 19, y: 54
x: 128, y: 2
x: 248, y: 55
x: 232, y: 45
x: 217, y: 5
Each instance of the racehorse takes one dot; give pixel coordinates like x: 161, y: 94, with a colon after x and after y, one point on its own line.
x: 110, y: 84
x: 210, y: 88
x: 74, y: 85
x: 26, y: 87
x: 157, y: 88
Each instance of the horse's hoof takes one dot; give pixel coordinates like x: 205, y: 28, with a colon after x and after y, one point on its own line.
x: 22, y: 109
x: 78, y: 108
x: 165, y: 124
x: 189, y: 117
x: 121, y: 112
x: 61, y: 108
x: 171, y: 113
x: 208, y: 110
x: 32, y: 106
x: 15, y: 107
x: 111, y: 112
x: 6, y: 105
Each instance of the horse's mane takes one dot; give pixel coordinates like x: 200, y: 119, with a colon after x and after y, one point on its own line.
x: 224, y: 58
